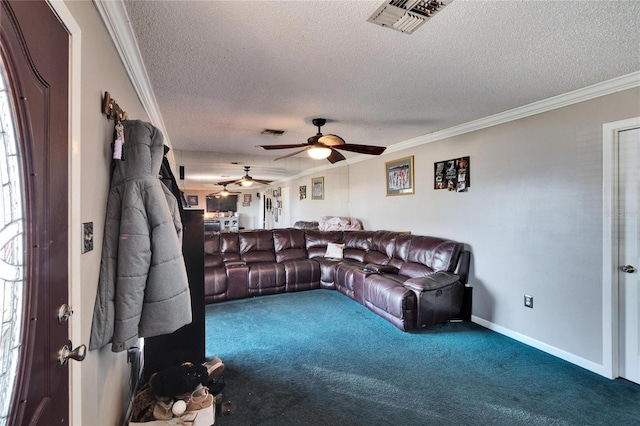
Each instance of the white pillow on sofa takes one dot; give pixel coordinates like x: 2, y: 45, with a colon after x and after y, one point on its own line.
x: 334, y: 250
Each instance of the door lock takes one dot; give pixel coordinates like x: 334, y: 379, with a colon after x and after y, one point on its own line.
x: 66, y: 352
x: 628, y: 269
x: 64, y: 313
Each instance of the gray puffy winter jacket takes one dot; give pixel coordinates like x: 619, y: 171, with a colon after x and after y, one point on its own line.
x: 143, y: 289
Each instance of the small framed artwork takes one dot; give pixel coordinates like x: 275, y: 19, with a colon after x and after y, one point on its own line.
x: 247, y: 200
x: 452, y: 175
x: 303, y: 192
x: 399, y: 176
x: 192, y: 200
x: 317, y: 188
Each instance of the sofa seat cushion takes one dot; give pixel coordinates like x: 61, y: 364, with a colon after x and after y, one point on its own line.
x: 215, y: 284
x: 327, y: 271
x: 391, y: 300
x: 301, y: 274
x: 266, y: 278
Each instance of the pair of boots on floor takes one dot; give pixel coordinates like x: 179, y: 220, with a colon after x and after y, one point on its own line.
x: 182, y: 391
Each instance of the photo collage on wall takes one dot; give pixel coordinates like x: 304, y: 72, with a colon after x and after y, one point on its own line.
x: 452, y: 175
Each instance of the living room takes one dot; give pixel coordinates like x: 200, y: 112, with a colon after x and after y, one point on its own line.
x: 535, y: 216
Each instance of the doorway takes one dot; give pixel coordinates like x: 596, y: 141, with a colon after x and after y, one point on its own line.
x: 621, y: 262
x: 38, y: 96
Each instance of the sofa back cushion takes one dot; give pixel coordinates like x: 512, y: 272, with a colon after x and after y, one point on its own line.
x: 289, y: 244
x: 357, y: 244
x: 212, y: 255
x: 400, y: 250
x: 229, y: 246
x: 436, y: 253
x: 382, y: 246
x: 257, y: 246
x: 316, y: 241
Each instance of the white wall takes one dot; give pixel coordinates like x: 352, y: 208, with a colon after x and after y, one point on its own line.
x: 103, y: 375
x: 532, y: 219
x: 336, y: 194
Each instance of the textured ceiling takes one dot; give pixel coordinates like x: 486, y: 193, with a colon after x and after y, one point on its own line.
x: 222, y: 71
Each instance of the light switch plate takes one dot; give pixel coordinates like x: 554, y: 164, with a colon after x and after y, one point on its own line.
x: 87, y: 237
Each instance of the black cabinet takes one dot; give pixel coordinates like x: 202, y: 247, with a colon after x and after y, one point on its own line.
x: 187, y: 343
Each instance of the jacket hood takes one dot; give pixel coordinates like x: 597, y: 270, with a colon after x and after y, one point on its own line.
x: 143, y: 150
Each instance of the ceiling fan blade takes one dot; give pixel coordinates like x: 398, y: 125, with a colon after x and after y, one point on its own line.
x: 291, y: 154
x: 295, y: 145
x: 335, y: 156
x: 264, y: 182
x: 331, y: 140
x: 362, y: 149
x: 228, y: 182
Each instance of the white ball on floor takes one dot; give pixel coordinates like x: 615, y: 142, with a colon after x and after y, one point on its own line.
x: 179, y: 407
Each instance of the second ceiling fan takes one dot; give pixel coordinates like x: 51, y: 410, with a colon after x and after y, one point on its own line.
x: 245, y: 180
x: 324, y: 146
x: 224, y: 193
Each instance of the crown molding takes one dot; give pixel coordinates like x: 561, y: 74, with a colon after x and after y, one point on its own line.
x: 115, y: 18
x: 597, y: 90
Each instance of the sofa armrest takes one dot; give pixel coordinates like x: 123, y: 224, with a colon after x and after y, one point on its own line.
x: 235, y: 264
x: 431, y: 282
x: 381, y: 269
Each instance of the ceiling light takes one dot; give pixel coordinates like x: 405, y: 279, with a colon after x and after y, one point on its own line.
x: 246, y: 182
x: 224, y: 192
x: 319, y: 152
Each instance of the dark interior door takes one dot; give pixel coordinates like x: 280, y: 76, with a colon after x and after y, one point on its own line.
x: 35, y: 47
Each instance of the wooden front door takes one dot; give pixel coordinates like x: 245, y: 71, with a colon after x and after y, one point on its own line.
x: 35, y: 53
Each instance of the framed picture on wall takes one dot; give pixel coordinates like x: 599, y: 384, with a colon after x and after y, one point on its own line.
x: 317, y: 188
x: 303, y: 192
x: 192, y: 200
x: 452, y: 175
x: 399, y: 176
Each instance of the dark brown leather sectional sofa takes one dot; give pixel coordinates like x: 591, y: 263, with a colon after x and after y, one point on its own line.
x: 388, y: 272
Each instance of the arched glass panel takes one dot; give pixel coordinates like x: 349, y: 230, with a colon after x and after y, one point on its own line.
x: 11, y: 250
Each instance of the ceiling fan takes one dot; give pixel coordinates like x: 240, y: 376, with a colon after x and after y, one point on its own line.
x: 223, y: 193
x: 324, y: 146
x: 245, y: 180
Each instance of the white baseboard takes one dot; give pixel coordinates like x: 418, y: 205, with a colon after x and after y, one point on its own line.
x: 567, y: 356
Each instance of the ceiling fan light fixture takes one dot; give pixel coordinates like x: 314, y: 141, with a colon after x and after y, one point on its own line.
x: 224, y: 192
x: 319, y: 152
x: 246, y: 182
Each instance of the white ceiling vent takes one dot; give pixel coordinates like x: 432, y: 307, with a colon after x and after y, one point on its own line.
x: 406, y: 15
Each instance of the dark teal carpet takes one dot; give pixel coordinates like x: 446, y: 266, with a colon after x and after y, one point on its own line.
x: 319, y: 358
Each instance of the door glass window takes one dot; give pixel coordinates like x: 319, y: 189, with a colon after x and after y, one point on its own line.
x: 11, y: 250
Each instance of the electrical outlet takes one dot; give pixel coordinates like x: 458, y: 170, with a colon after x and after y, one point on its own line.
x: 528, y: 301
x: 87, y: 237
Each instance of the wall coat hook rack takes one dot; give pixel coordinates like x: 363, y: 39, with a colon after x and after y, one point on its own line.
x: 112, y: 110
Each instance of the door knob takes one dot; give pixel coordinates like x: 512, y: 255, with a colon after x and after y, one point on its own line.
x: 66, y: 352
x: 628, y: 269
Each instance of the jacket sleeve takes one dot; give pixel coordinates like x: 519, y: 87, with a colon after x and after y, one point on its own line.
x: 103, y: 310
